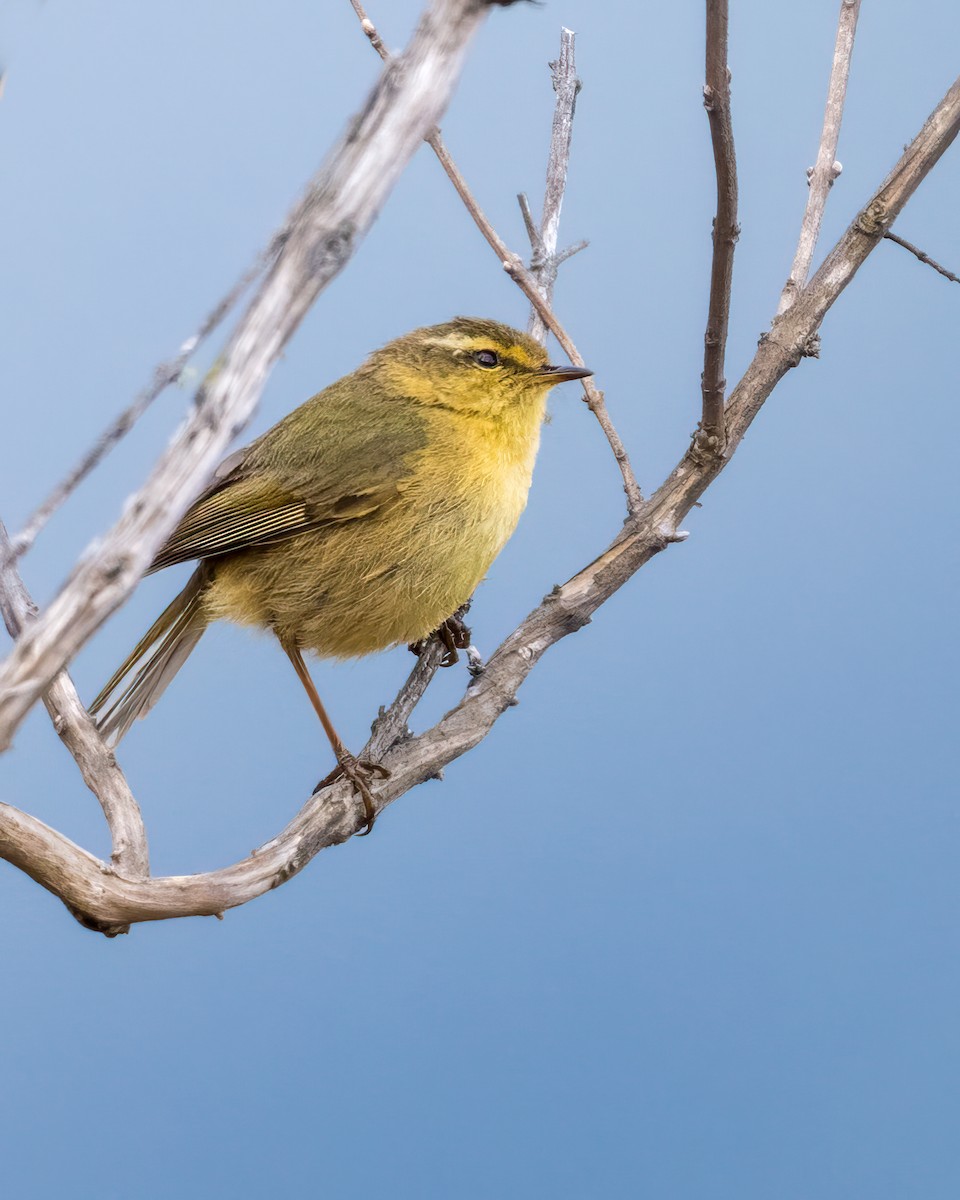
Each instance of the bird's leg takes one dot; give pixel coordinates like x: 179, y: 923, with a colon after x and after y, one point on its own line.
x: 454, y: 635
x: 359, y: 773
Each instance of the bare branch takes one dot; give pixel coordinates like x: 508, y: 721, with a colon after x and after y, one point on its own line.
x: 79, y: 734
x: 716, y: 100
x: 390, y: 727
x: 820, y: 177
x: 105, y: 901
x: 575, y: 248
x: 513, y: 265
x: 164, y: 375
x: 318, y: 240
x: 533, y: 233
x: 545, y: 261
x: 370, y: 30
x: 924, y: 258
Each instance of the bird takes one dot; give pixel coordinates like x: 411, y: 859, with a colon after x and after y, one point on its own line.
x: 363, y: 519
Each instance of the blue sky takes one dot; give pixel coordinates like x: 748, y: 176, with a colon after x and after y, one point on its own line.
x: 684, y: 925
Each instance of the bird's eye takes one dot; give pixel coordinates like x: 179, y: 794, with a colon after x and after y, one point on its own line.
x: 486, y: 358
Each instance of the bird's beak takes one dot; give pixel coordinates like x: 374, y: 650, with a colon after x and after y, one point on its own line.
x: 562, y: 374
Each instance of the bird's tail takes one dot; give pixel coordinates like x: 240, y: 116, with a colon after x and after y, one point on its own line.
x: 160, y: 653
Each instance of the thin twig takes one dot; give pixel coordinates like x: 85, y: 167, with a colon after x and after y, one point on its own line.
x: 821, y: 176
x: 78, y: 732
x: 370, y: 30
x: 533, y: 233
x: 924, y: 258
x: 716, y: 100
x: 390, y: 727
x: 318, y: 240
x: 545, y: 261
x: 164, y: 375
x: 513, y: 264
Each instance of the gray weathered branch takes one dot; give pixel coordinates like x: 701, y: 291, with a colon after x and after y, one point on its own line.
x: 821, y: 176
x: 320, y: 237
x: 78, y: 732
x: 105, y: 901
x: 546, y: 261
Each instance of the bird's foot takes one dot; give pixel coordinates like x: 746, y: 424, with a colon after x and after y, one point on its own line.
x: 360, y: 773
x: 453, y: 633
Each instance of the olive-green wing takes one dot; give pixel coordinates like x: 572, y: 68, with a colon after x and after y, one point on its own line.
x: 252, y: 512
x: 329, y: 461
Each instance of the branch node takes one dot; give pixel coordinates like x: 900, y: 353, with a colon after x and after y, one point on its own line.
x: 874, y: 219
x: 286, y: 871
x: 707, y: 446
x: 811, y: 346
x: 475, y: 663
x: 109, y: 929
x: 370, y: 30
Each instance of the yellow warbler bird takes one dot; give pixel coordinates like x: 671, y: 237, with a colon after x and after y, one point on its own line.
x: 363, y: 519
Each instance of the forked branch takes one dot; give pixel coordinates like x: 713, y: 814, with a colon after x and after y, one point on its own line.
x: 78, y: 732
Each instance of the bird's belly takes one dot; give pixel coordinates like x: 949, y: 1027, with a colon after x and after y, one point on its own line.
x: 351, y: 589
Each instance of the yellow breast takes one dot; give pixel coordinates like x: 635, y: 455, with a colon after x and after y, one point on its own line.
x: 395, y: 576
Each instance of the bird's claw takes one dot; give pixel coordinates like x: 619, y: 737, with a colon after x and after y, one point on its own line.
x: 359, y: 771
x: 454, y: 635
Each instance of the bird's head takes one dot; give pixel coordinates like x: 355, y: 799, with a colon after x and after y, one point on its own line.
x: 471, y: 365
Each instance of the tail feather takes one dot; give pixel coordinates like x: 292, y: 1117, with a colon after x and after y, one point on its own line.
x: 156, y: 658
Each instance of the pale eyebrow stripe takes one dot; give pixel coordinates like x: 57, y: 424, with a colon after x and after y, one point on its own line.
x: 456, y: 341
